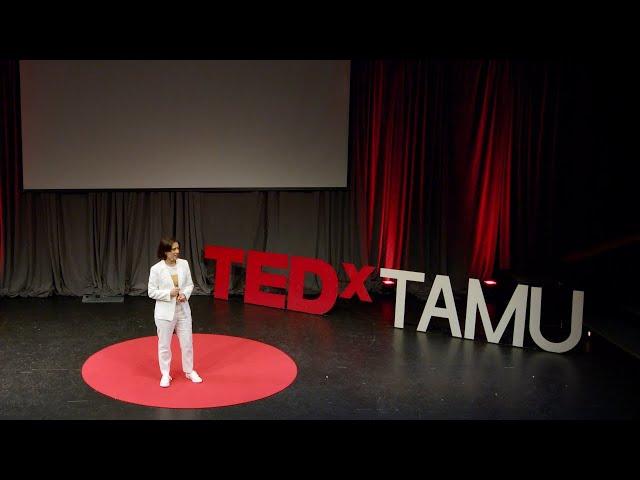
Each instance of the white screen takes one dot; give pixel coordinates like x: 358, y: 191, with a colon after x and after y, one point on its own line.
x: 147, y: 124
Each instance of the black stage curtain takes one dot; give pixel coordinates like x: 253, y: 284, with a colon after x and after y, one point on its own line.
x: 461, y: 167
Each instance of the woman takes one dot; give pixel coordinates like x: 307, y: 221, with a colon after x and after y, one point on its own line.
x: 170, y: 285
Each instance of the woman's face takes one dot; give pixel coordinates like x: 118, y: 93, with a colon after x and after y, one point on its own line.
x: 173, y: 255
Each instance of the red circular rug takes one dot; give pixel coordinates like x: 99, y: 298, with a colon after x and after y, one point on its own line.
x: 234, y: 370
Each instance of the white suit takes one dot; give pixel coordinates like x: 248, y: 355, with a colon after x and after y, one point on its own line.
x: 170, y: 314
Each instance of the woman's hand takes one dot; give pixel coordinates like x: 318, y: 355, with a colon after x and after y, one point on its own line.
x: 175, y: 291
x: 182, y: 298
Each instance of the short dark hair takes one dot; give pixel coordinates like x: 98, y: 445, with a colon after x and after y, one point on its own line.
x: 165, y: 246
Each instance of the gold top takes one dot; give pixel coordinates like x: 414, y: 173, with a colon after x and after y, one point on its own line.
x: 174, y: 277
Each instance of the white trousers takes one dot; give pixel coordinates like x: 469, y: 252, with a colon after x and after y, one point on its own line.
x: 181, y: 323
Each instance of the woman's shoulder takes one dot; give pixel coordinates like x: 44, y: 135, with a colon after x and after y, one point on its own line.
x: 182, y: 261
x: 157, y: 265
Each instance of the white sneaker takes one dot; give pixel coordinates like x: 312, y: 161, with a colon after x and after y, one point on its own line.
x: 165, y: 381
x: 193, y: 376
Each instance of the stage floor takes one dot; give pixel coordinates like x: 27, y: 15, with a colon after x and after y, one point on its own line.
x: 352, y: 364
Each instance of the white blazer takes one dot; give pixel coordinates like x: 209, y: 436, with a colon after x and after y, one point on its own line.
x: 160, y: 285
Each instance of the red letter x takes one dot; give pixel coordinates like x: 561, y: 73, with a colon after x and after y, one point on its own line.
x: 356, y: 284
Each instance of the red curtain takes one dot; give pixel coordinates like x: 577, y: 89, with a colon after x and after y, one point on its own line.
x: 415, y: 144
x: 388, y: 145
x: 488, y: 188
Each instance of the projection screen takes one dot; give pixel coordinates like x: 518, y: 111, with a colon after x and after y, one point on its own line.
x: 184, y: 124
